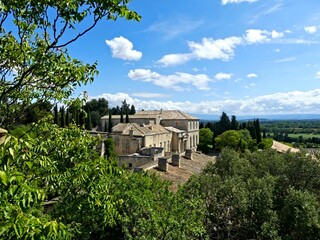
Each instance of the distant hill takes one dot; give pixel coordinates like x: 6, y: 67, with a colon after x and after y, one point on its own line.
x: 204, y: 117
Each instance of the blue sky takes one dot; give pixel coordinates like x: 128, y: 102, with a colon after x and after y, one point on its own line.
x: 244, y: 57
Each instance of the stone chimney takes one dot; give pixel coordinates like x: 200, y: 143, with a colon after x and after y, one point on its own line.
x: 163, y: 164
x: 131, y: 133
x: 188, y: 154
x: 176, y: 160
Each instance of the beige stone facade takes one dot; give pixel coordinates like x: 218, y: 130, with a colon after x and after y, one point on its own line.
x: 171, y: 130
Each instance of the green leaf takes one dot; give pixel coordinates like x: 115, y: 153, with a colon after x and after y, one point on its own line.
x: 11, y: 151
x: 4, y: 178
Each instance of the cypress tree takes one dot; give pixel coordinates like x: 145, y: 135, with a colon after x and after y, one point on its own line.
x: 234, y: 123
x: 252, y: 129
x: 81, y: 118
x: 258, y: 130
x: 264, y: 134
x: 127, y: 116
x: 121, y: 116
x: 132, y: 110
x: 109, y: 129
x: 62, y: 117
x: 67, y: 117
x: 56, y: 115
x: 88, y: 123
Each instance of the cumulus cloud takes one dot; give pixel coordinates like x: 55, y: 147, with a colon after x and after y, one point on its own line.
x: 214, y: 49
x: 295, y: 102
x: 275, y: 34
x: 225, y: 2
x: 175, y: 59
x: 256, y: 36
x: 318, y: 74
x: 178, y: 81
x: 311, y: 29
x: 252, y: 75
x: 208, y: 48
x: 223, y: 49
x: 122, y: 48
x: 223, y: 76
x: 149, y: 95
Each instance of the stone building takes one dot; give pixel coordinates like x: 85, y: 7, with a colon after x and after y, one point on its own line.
x: 184, y: 130
x: 130, y: 138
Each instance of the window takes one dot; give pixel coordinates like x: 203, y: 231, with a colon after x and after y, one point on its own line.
x: 130, y: 165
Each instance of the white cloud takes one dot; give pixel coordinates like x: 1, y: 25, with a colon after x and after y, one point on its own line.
x: 318, y: 74
x: 311, y: 29
x: 252, y: 75
x: 175, y: 59
x: 222, y: 76
x: 145, y: 75
x: 256, y: 36
x: 177, y: 81
x: 122, y: 48
x: 225, y: 2
x: 208, y: 48
x: 224, y: 49
x: 289, y: 59
x: 275, y: 34
x: 295, y: 102
x: 215, y: 49
x: 149, y: 95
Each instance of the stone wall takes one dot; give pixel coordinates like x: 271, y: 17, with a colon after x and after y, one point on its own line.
x: 162, y: 140
x: 134, y: 160
x: 126, y: 144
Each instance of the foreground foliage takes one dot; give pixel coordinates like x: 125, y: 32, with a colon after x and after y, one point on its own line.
x: 260, y: 195
x: 55, y: 186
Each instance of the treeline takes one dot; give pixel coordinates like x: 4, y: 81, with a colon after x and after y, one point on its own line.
x: 87, y: 115
x: 292, y: 126
x: 227, y: 132
x: 300, y: 133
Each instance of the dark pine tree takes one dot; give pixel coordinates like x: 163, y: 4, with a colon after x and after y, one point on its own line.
x: 121, y: 116
x: 62, y: 117
x: 264, y: 134
x: 252, y: 130
x: 67, y: 117
x: 258, y: 130
x: 56, y: 115
x: 201, y: 125
x: 234, y: 123
x: 127, y: 116
x: 132, y: 110
x: 88, y: 124
x: 81, y: 118
x: 222, y: 125
x: 109, y: 128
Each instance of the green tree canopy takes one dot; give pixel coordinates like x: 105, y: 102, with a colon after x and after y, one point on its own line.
x: 205, y: 139
x: 260, y: 195
x: 34, y: 58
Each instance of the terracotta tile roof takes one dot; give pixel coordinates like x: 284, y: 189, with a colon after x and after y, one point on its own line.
x: 138, y: 130
x: 166, y: 114
x: 176, y: 130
